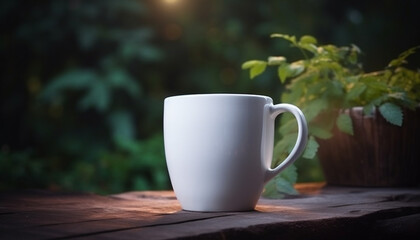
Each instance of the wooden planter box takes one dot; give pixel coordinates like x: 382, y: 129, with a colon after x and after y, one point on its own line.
x: 378, y: 155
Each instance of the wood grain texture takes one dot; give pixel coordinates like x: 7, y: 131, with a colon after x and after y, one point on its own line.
x: 378, y: 155
x: 321, y: 212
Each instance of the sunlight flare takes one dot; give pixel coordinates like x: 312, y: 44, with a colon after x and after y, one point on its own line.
x: 170, y: 1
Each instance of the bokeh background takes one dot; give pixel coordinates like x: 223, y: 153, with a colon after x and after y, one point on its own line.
x: 83, y: 82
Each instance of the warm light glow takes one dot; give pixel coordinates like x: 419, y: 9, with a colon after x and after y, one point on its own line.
x: 170, y: 1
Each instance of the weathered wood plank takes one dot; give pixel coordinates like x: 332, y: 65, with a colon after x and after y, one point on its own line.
x: 323, y: 212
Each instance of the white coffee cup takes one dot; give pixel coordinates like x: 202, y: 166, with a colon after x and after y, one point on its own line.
x: 219, y: 148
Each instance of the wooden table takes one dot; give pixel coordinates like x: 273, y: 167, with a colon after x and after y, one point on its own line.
x: 320, y: 212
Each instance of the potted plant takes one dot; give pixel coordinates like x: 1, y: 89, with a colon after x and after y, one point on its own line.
x: 363, y: 126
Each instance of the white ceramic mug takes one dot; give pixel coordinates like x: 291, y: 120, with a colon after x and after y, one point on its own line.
x: 219, y: 148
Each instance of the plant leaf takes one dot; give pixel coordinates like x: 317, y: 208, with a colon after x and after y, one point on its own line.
x: 401, y: 58
x: 392, y: 113
x: 283, y: 148
x: 270, y: 190
x: 289, y: 174
x: 283, y: 72
x: 290, y: 70
x: 122, y: 125
x: 307, y: 39
x: 345, y: 124
x: 251, y: 63
x: 314, y: 108
x: 276, y: 60
x: 78, y: 79
x: 320, y: 132
x: 355, y: 92
x: 289, y: 126
x: 289, y: 38
x: 282, y: 184
x: 120, y: 78
x: 368, y: 109
x: 98, y: 96
x: 308, y: 42
x: 296, y: 68
x: 311, y: 149
x: 256, y: 67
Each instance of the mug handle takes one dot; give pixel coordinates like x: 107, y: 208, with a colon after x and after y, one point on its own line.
x: 302, y: 138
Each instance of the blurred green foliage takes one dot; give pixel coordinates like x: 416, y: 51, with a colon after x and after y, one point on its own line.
x: 83, y: 103
x: 83, y: 82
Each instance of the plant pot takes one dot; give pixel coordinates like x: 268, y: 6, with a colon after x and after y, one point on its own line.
x: 378, y: 155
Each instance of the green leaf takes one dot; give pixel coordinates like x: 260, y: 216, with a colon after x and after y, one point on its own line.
x: 355, y: 92
x: 355, y: 48
x: 119, y: 78
x: 283, y: 72
x: 285, y: 181
x: 256, y: 67
x: 78, y: 79
x: 290, y: 70
x: 288, y: 126
x: 311, y: 148
x: 378, y: 86
x: 250, y: 64
x: 314, y: 108
x: 150, y: 53
x: 308, y: 42
x: 98, y: 97
x: 334, y: 88
x: 310, y: 47
x: 283, y: 147
x: 289, y: 174
x: 368, y: 109
x: 401, y: 58
x: 289, y: 38
x: 270, y: 190
x: 282, y: 184
x: 403, y: 99
x: 122, y: 125
x: 296, y: 68
x: 392, y: 113
x: 345, y: 124
x: 276, y: 60
x: 292, y: 96
x: 307, y: 39
x: 320, y: 132
x: 352, y: 57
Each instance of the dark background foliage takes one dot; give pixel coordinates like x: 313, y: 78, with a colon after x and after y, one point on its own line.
x: 83, y: 82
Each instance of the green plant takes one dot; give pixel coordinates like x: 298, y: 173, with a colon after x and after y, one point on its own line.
x: 330, y: 79
x: 131, y: 165
x: 82, y: 98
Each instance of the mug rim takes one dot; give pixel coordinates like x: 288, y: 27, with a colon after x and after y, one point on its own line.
x: 200, y: 95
